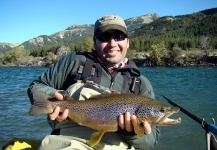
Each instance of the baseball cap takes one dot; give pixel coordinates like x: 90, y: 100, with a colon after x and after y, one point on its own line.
x: 109, y: 22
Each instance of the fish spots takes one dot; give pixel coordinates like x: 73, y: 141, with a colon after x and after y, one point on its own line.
x: 104, y: 112
x: 149, y: 111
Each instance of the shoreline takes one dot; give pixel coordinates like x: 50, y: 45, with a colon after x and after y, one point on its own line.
x: 138, y: 65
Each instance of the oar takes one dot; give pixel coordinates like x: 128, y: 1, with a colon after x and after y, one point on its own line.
x: 206, y: 126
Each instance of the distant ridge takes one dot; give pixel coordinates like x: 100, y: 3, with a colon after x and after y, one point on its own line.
x: 76, y: 33
x: 149, y: 25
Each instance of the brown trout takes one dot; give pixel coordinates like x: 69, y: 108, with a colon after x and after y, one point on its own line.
x: 101, y: 112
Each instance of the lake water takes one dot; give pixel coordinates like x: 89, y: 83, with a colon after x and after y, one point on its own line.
x: 194, y: 88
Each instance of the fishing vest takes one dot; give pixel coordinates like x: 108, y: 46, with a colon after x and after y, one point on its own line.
x: 91, y: 71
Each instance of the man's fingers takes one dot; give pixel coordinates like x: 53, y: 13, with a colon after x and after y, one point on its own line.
x: 58, y: 96
x: 147, y: 127
x: 55, y: 113
x: 63, y: 116
x: 128, y: 124
x: 121, y: 122
x: 134, y: 123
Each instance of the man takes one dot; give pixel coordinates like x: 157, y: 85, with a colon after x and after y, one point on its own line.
x: 108, y: 67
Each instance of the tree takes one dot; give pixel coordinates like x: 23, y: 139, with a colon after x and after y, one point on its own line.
x: 205, y: 44
x: 157, y: 54
x: 14, y: 54
x: 170, y: 45
x: 135, y: 44
x: 87, y: 44
x: 1, y: 58
x: 50, y: 58
x: 175, y: 57
x: 62, y: 51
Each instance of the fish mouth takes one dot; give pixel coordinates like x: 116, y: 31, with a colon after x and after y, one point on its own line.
x: 168, y: 121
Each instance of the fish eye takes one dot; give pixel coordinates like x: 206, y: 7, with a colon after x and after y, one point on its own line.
x: 163, y: 109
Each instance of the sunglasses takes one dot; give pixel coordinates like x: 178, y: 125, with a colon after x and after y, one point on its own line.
x: 117, y: 36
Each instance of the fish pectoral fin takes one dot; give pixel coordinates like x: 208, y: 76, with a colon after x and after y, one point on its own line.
x: 95, y: 138
x: 140, y: 129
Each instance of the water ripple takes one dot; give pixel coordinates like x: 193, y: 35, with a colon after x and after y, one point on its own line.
x: 193, y: 88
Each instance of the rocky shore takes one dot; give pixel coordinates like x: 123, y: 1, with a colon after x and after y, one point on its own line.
x: 211, y: 61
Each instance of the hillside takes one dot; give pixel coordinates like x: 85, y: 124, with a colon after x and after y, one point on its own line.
x: 202, y: 23
x: 76, y: 33
x: 144, y: 27
x: 154, y: 41
x: 7, y: 46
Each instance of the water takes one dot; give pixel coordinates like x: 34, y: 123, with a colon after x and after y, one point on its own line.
x: 196, y: 90
x: 14, y: 105
x: 193, y: 88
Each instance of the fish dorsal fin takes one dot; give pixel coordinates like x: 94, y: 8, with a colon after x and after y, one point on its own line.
x: 95, y: 138
x: 100, y: 96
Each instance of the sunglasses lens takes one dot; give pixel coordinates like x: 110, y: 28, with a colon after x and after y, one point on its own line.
x: 117, y: 36
x: 104, y: 37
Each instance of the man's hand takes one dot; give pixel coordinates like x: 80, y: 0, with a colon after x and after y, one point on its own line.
x: 55, y: 115
x: 129, y: 122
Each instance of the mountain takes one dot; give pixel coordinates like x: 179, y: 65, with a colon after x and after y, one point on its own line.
x: 73, y: 34
x: 77, y: 33
x: 137, y: 22
x: 7, y: 46
x: 202, y: 23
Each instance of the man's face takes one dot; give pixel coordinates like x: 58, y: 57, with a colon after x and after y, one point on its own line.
x: 111, y: 47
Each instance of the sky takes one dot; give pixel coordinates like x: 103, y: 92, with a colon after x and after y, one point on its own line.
x: 22, y: 20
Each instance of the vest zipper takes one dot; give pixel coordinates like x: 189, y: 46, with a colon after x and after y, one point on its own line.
x: 113, y: 75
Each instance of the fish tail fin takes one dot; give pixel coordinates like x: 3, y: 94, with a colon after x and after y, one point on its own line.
x: 41, y: 104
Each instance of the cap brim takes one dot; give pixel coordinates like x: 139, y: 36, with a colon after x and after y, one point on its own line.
x: 103, y: 29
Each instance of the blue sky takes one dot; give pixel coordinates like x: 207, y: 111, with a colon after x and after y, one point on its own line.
x: 21, y: 20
